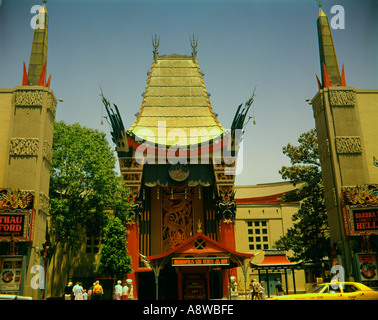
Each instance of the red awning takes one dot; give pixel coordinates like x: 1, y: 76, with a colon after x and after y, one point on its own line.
x: 278, y: 260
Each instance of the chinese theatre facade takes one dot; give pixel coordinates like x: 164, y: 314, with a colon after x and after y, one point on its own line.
x: 179, y: 163
x: 346, y: 123
x: 26, y: 133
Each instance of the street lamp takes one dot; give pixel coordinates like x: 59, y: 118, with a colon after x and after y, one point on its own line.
x: 156, y: 271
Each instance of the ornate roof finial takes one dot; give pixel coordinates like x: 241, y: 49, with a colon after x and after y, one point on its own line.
x: 194, y: 43
x: 320, y: 3
x: 155, y: 44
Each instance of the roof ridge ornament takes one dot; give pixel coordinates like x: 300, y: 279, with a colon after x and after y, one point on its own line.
x: 320, y: 3
x: 155, y: 44
x: 194, y: 44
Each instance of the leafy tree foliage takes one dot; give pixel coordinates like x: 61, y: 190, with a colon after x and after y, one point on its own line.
x: 114, y: 260
x: 84, y: 186
x: 309, y: 237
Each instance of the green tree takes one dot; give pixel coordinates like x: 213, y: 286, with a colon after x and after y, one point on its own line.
x: 309, y: 237
x: 114, y: 260
x: 84, y: 186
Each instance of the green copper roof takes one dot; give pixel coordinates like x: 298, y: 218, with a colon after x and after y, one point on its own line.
x: 327, y: 50
x: 38, y: 54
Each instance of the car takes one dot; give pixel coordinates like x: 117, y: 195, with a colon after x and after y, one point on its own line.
x: 335, y: 291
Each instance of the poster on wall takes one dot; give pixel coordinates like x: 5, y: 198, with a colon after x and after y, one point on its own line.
x: 367, y: 266
x: 10, y: 274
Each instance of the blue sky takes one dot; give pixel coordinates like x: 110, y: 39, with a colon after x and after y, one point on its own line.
x: 269, y: 44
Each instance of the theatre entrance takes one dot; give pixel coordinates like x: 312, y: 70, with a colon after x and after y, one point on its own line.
x: 188, y: 273
x: 199, y: 285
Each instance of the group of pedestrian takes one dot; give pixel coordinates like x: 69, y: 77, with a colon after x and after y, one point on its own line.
x: 77, y: 292
x: 124, y: 293
x: 95, y: 292
x: 257, y: 289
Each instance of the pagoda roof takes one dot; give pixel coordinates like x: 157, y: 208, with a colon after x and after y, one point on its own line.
x: 176, y: 96
x: 275, y: 259
x: 212, y: 248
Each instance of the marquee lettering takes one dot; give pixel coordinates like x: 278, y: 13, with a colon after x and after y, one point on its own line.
x: 11, y: 224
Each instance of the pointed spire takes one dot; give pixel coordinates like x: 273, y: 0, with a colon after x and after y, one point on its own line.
x: 24, y: 76
x: 327, y: 51
x: 42, y: 77
x: 327, y: 82
x: 318, y: 81
x: 343, y: 82
x: 48, y: 82
x: 38, y: 56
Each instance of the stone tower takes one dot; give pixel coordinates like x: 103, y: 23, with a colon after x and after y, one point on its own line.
x: 346, y: 124
x: 26, y: 135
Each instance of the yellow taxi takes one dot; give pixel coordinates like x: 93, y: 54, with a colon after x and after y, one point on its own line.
x: 335, y: 291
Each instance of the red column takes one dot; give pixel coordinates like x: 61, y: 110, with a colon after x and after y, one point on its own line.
x: 132, y: 243
x: 227, y: 234
x: 180, y: 285
x: 227, y: 239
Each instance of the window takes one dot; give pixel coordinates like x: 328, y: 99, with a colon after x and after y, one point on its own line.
x: 200, y: 244
x: 259, y: 228
x: 92, y: 245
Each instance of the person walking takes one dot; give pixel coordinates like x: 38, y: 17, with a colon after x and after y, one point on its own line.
x: 125, y: 291
x: 255, y: 290
x: 78, y: 291
x: 262, y: 291
x: 130, y: 292
x: 97, y: 291
x: 90, y: 291
x: 118, y: 290
x: 68, y: 291
x: 279, y: 288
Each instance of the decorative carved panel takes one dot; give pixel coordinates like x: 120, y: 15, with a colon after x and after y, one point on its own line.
x: 16, y: 199
x: 365, y: 194
x: 351, y: 144
x: 47, y: 152
x: 342, y: 98
x: 44, y: 202
x: 51, y: 103
x: 318, y: 105
x: 177, y: 216
x: 33, y: 98
x: 24, y: 146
